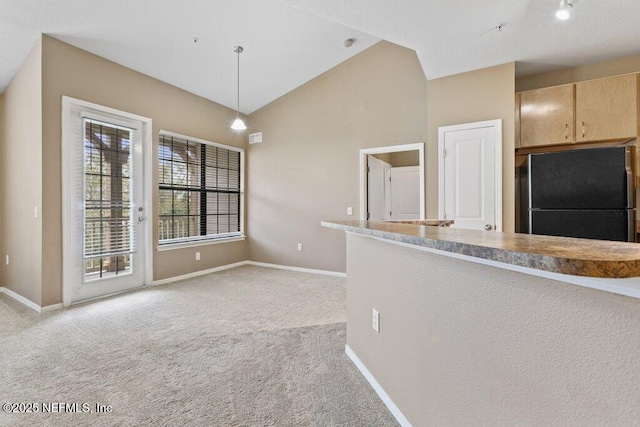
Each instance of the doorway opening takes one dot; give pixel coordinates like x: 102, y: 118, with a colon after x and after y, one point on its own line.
x: 392, y: 182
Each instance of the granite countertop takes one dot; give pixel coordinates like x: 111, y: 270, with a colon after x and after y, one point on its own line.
x: 428, y: 222
x: 564, y: 255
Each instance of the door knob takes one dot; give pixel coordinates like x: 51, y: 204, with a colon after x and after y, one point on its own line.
x: 488, y: 227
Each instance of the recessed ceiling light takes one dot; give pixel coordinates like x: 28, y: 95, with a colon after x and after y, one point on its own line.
x: 349, y: 42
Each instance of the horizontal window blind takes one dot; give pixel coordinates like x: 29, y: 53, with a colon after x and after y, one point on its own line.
x: 200, y: 190
x: 107, y: 190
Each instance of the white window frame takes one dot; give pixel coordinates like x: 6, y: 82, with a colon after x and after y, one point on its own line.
x: 188, y: 242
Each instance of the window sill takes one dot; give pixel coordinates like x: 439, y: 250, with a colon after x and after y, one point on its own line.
x: 196, y: 243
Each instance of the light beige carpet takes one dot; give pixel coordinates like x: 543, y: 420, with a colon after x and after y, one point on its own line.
x: 245, y: 347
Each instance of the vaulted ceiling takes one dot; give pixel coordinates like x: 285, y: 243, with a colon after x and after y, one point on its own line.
x: 289, y: 42
x: 451, y: 37
x: 283, y: 47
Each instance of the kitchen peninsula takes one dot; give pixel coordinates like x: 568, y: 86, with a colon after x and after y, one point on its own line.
x: 490, y: 328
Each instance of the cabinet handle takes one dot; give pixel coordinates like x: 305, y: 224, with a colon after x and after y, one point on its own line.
x: 583, y: 131
x: 566, y: 131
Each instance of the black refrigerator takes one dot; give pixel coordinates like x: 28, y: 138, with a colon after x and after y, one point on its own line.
x: 586, y: 193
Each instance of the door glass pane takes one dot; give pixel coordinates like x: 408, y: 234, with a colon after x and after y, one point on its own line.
x: 108, y: 228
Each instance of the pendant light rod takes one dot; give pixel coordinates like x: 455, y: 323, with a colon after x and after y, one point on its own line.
x: 238, y: 124
x: 238, y: 50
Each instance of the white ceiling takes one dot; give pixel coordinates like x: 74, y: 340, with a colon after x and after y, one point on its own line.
x: 283, y: 47
x: 453, y: 36
x: 289, y: 42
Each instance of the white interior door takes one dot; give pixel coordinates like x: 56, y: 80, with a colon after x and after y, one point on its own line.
x: 469, y: 175
x: 377, y: 188
x: 405, y: 193
x: 105, y: 213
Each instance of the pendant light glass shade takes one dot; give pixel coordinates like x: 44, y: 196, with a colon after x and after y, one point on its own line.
x: 564, y: 11
x: 238, y: 124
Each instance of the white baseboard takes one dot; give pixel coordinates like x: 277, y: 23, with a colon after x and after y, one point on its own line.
x: 198, y: 273
x: 32, y: 305
x: 298, y: 269
x: 395, y: 411
x: 240, y: 264
x: 52, y: 307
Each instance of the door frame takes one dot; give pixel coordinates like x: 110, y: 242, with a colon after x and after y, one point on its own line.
x: 496, y: 124
x: 391, y: 149
x: 67, y: 181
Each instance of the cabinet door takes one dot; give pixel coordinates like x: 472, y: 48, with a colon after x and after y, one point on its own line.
x: 517, y: 123
x: 547, y: 116
x: 607, y: 108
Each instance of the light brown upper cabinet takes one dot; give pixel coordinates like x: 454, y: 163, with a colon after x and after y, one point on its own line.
x: 547, y: 116
x: 517, y: 123
x: 607, y: 108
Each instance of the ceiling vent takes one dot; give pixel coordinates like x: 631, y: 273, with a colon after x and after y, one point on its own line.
x: 255, y: 138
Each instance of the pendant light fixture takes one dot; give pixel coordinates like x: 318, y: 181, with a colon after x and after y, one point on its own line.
x: 238, y: 124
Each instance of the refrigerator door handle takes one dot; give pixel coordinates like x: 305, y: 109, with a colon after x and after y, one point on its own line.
x: 630, y: 179
x: 529, y: 204
x: 631, y: 218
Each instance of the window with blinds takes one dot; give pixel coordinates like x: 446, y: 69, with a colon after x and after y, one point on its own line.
x: 201, y: 193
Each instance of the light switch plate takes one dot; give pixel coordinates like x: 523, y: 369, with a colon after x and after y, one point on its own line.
x: 376, y: 321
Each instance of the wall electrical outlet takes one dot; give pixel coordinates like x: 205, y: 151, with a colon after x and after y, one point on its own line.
x: 376, y: 321
x: 299, y: 246
x: 349, y: 210
x: 197, y: 256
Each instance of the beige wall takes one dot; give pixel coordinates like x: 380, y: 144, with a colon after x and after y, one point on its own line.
x: 2, y: 179
x: 467, y: 344
x: 385, y: 157
x: 21, y: 179
x: 306, y: 170
x: 484, y: 94
x: 73, y: 72
x: 405, y: 158
x: 630, y: 64
x: 400, y: 158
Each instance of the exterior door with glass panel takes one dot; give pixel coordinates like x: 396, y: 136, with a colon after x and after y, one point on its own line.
x: 107, y: 215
